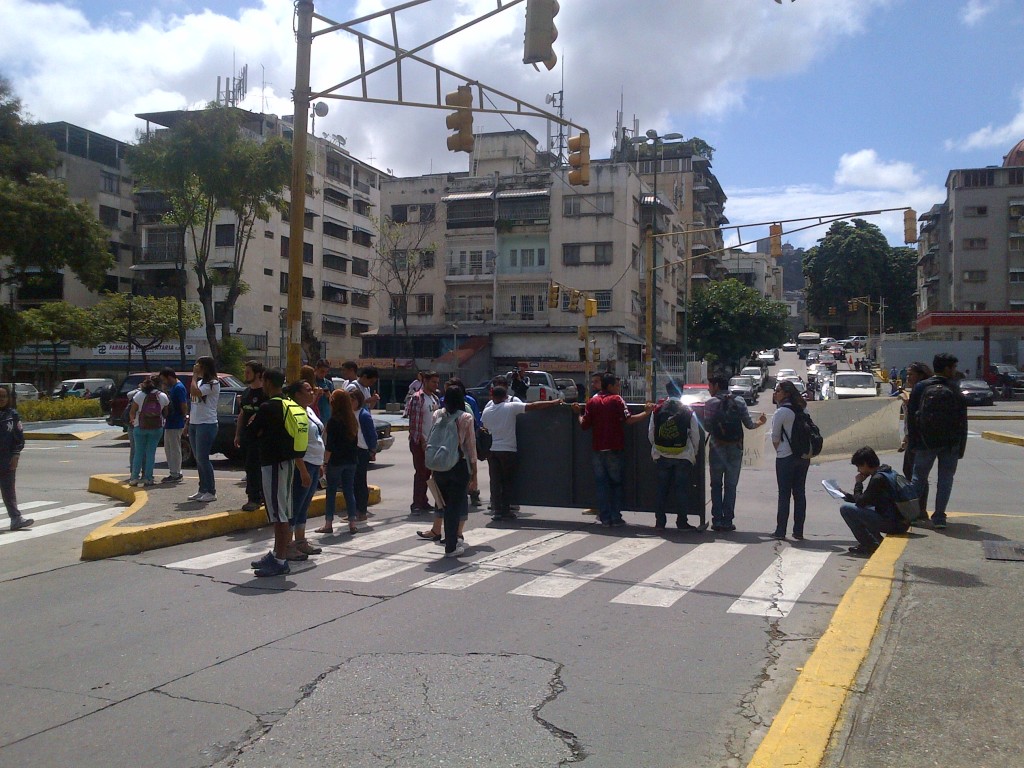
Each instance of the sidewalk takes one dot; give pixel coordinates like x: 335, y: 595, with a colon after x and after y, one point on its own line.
x: 69, y: 429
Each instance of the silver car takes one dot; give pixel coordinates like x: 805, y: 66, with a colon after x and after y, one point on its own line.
x: 744, y: 387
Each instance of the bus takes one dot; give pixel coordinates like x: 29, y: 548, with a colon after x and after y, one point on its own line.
x: 807, y: 341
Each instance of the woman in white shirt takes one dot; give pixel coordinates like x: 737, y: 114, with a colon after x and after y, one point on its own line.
x: 202, y: 424
x: 790, y: 470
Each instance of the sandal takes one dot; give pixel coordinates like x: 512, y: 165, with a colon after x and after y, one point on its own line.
x: 324, y: 529
x: 352, y: 528
x: 429, y: 535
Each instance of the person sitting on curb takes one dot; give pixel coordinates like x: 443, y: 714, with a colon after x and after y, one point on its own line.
x: 871, y: 511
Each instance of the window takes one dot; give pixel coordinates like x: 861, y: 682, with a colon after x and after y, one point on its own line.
x: 360, y: 267
x: 602, y: 253
x: 268, y: 233
x: 307, y: 251
x: 976, y: 210
x: 361, y: 300
x: 513, y: 257
x: 333, y: 167
x: 331, y: 195
x: 975, y: 306
x: 1016, y: 306
x: 541, y: 257
x: 983, y: 177
x: 109, y: 217
x: 268, y: 272
x: 268, y: 308
x: 571, y: 254
x: 423, y: 304
x: 975, y: 243
x: 332, y: 327
x: 527, y: 257
x: 399, y: 213
x: 427, y: 259
x: 975, y: 275
x: 307, y: 221
x: 219, y: 314
x: 335, y: 262
x: 1016, y: 275
x: 571, y: 205
x: 588, y: 205
x: 604, y: 301
x: 333, y: 293
x: 307, y: 286
x: 109, y: 182
x: 224, y: 235
x: 332, y: 229
x: 1016, y: 177
x: 526, y: 306
x: 357, y: 329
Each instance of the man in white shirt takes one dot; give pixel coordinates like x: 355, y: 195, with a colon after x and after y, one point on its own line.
x: 365, y: 382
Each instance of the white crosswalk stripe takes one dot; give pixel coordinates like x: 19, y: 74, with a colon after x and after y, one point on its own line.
x: 70, y: 524
x: 776, y: 591
x: 49, y: 514
x: 664, y: 588
x: 561, y: 581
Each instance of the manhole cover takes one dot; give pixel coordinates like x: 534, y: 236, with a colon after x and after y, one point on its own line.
x: 1003, y: 550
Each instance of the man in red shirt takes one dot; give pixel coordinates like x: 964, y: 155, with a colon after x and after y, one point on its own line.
x: 606, y: 415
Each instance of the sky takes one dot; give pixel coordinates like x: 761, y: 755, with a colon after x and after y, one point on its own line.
x: 814, y: 107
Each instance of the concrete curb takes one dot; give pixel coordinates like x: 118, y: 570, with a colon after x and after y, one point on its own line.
x: 799, y: 736
x: 113, y: 539
x: 1003, y: 437
x: 63, y: 435
x: 995, y: 417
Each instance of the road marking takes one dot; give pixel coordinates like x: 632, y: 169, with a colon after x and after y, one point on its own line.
x: 49, y: 514
x: 561, y: 581
x: 31, y: 505
x: 776, y: 591
x: 38, y: 531
x: 393, y: 564
x: 664, y: 588
x: 502, y: 562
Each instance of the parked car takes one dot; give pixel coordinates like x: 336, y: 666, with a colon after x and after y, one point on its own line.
x: 789, y: 346
x: 84, y: 388
x: 847, y: 384
x: 22, y: 391
x: 541, y: 386
x: 132, y: 381
x: 744, y: 387
x: 787, y: 374
x: 756, y: 373
x: 853, y: 342
x: 826, y: 342
x: 568, y: 390
x: 481, y: 392
x: 977, y: 392
x: 766, y: 357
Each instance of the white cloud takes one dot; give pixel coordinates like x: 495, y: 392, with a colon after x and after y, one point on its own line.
x: 864, y: 169
x: 976, y: 10
x: 999, y: 136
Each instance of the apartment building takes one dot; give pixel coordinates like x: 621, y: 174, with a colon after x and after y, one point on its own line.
x: 755, y: 270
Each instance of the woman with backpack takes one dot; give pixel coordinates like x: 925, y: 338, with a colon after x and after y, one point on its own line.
x: 146, y: 415
x: 792, y: 458
x: 452, y: 437
x: 202, y: 424
x: 341, y: 457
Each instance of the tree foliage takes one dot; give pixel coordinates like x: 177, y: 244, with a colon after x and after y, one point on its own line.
x: 41, y: 230
x: 58, y: 322
x: 142, y: 321
x: 404, y: 253
x: 855, y: 260
x: 726, y: 320
x: 204, y: 164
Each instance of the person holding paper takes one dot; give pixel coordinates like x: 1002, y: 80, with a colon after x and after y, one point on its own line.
x: 870, y: 511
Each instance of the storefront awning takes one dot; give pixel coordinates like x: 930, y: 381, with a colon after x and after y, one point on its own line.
x: 456, y: 196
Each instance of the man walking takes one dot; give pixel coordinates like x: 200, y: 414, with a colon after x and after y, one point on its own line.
x: 939, y: 410
x: 421, y: 407
x: 245, y: 439
x: 725, y: 417
x: 174, y: 425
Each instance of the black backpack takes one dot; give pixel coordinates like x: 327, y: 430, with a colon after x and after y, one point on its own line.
x: 727, y: 424
x: 939, y: 415
x: 806, y: 440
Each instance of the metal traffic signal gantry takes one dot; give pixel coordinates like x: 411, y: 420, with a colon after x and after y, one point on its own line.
x: 541, y: 33
x: 461, y: 120
x: 579, y: 160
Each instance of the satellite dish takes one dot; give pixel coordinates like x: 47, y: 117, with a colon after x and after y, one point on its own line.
x: 320, y: 109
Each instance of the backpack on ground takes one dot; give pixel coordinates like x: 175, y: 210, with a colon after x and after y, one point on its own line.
x: 151, y: 412
x: 806, y: 440
x: 727, y: 424
x: 296, y: 424
x: 443, y: 450
x: 904, y: 495
x: 939, y: 415
x: 671, y: 428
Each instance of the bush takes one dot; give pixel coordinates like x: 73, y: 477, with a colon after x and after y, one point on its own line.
x: 53, y: 410
x: 233, y: 354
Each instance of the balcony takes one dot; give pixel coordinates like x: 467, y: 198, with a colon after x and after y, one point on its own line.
x: 469, y: 270
x: 468, y: 316
x: 170, y: 255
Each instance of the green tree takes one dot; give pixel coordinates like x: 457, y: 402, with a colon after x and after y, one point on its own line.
x: 141, y: 321
x: 41, y: 230
x: 204, y: 164
x: 727, y: 320
x: 898, y: 291
x: 58, y: 322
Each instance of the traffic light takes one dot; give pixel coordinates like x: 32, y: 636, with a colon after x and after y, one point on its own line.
x: 775, y: 240
x: 910, y: 226
x: 851, y: 306
x: 581, y: 333
x: 574, y: 301
x: 597, y: 354
x: 461, y: 120
x: 553, y: 296
x: 832, y: 312
x: 590, y: 308
x: 540, y: 33
x: 579, y: 160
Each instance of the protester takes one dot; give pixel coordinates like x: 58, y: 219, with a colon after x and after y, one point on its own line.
x: 341, y: 461
x: 453, y: 483
x: 606, y: 415
x: 790, y: 467
x: 725, y: 417
x: 12, y: 442
x: 872, y: 511
x: 174, y: 425
x: 939, y: 410
x: 916, y: 373
x: 414, y: 386
x: 366, y: 451
x: 302, y: 493
x: 245, y: 440
x: 365, y: 383
x: 322, y: 390
x: 423, y: 403
x: 278, y: 462
x: 517, y: 384
x: 147, y: 418
x: 674, y: 435
x: 202, y: 426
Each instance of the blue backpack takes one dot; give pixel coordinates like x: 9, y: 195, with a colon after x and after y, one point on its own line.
x: 904, y: 495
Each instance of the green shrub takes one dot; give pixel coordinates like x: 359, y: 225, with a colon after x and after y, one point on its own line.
x: 54, y: 410
x: 233, y: 354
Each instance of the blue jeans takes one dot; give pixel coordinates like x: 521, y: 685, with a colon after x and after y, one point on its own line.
x: 923, y: 461
x: 673, y: 477
x: 791, y: 474
x: 341, y: 476
x: 725, y: 462
x: 144, y: 457
x: 867, y: 525
x: 201, y: 437
x: 361, y: 485
x: 608, y: 484
x: 453, y: 485
x: 301, y: 496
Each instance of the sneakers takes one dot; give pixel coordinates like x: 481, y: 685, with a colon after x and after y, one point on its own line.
x: 173, y: 479
x: 273, y: 568
x: 263, y: 561
x: 683, y: 525
x: 459, y: 551
x: 474, y: 498
x: 20, y: 523
x: 205, y: 497
x: 861, y: 551
x: 148, y: 483
x: 939, y: 523
x: 295, y: 554
x: 194, y: 497
x: 725, y: 528
x: 250, y: 506
x: 134, y: 482
x: 309, y: 549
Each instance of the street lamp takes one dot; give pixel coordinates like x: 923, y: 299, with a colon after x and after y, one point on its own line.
x: 656, y: 142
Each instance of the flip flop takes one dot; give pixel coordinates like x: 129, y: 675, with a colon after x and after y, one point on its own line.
x: 324, y: 529
x: 429, y: 535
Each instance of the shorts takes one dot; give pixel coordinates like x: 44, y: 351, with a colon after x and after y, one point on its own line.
x: 277, y: 490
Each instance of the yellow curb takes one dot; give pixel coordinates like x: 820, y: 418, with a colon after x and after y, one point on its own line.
x: 113, y: 539
x: 800, y: 734
x: 1003, y: 437
x: 995, y: 417
x: 62, y: 435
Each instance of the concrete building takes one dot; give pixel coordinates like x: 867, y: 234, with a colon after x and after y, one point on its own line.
x: 755, y: 270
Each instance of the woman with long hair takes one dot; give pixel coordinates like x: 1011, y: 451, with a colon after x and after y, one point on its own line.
x: 790, y: 468
x: 202, y: 424
x: 146, y: 415
x: 366, y: 451
x: 453, y: 483
x: 340, y: 460
x: 12, y: 441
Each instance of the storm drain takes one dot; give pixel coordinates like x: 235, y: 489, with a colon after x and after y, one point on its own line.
x: 1003, y: 550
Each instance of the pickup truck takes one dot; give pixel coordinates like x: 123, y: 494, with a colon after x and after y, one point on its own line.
x: 541, y: 386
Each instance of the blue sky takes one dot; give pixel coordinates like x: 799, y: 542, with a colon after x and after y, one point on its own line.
x: 814, y: 107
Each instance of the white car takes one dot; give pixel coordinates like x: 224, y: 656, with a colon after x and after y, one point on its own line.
x: 756, y: 373
x: 789, y: 346
x: 787, y: 374
x: 827, y: 342
x: 766, y: 357
x: 847, y: 384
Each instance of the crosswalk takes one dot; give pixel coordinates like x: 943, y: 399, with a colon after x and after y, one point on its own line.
x: 67, y: 517
x: 550, y: 565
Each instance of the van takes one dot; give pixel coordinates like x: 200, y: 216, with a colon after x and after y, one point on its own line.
x: 81, y: 387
